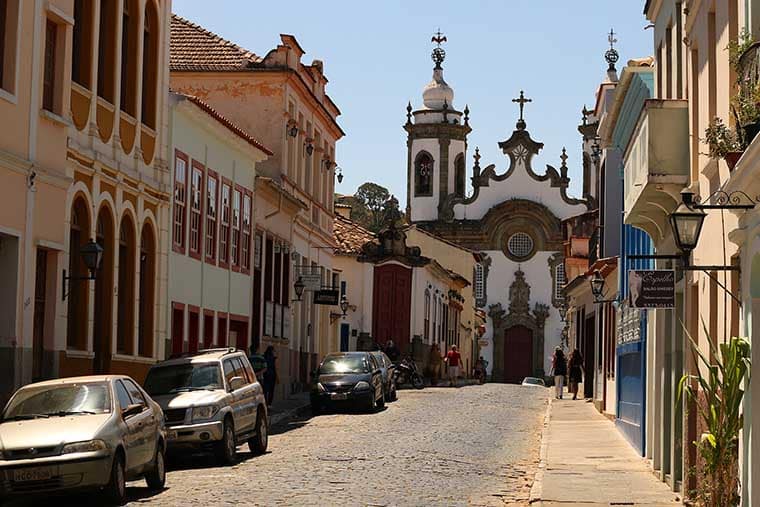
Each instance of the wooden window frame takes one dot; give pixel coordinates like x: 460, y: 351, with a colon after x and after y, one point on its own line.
x: 212, y: 224
x: 222, y: 335
x: 237, y: 190
x: 179, y: 307
x: 196, y: 253
x: 50, y: 66
x: 180, y: 246
x: 207, y: 344
x: 193, y: 310
x: 224, y: 236
x: 245, y: 232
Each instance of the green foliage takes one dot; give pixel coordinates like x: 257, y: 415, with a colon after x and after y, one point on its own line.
x: 721, y: 384
x: 373, y: 206
x: 745, y: 103
x: 736, y: 48
x: 721, y: 139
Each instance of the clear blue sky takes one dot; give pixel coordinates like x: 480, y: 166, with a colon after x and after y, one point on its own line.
x: 377, y: 58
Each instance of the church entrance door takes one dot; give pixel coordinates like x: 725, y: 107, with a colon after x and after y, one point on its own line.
x: 392, y: 300
x: 518, y: 354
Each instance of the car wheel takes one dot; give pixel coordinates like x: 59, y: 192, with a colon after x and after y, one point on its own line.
x: 116, y: 490
x: 258, y: 444
x: 394, y: 392
x: 381, y: 402
x: 388, y: 393
x: 226, y: 448
x: 370, y: 405
x: 156, y: 477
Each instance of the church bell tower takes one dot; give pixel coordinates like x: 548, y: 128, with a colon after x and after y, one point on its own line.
x: 436, y: 146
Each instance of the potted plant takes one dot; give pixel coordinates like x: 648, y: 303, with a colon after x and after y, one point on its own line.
x: 723, y: 142
x: 716, y: 391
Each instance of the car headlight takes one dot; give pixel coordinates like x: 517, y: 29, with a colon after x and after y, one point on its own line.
x: 321, y: 388
x: 205, y: 412
x: 362, y: 386
x: 89, y: 446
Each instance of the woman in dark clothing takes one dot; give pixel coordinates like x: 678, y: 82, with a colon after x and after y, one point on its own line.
x: 559, y: 367
x: 576, y: 372
x: 270, y: 374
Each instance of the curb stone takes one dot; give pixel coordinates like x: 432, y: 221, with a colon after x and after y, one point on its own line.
x: 536, y: 491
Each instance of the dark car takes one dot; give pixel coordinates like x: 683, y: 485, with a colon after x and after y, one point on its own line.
x: 387, y: 368
x: 348, y: 378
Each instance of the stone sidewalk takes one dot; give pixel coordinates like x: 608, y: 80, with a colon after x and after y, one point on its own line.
x: 585, y: 461
x: 282, y: 410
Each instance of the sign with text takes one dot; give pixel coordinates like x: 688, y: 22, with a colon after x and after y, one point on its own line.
x: 311, y: 281
x: 654, y: 288
x: 326, y: 297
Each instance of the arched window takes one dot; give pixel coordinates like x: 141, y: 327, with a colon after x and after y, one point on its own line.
x: 150, y: 65
x: 128, y: 56
x: 426, y: 331
x: 102, y: 325
x: 147, y: 291
x: 81, y: 58
x: 126, y: 303
x: 459, y: 176
x: 76, y: 323
x: 423, y: 174
x: 106, y: 49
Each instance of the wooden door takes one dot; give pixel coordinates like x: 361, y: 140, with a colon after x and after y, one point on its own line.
x: 392, y: 298
x: 589, y: 358
x: 518, y: 354
x: 40, y: 290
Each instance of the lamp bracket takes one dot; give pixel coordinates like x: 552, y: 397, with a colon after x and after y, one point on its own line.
x: 720, y: 199
x: 64, y: 286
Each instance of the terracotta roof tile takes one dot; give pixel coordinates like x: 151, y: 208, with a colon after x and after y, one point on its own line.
x: 229, y: 124
x: 350, y: 236
x: 193, y: 48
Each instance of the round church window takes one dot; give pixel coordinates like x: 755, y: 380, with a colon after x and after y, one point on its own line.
x: 520, y: 245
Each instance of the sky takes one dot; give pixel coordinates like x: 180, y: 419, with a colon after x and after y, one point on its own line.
x: 377, y: 58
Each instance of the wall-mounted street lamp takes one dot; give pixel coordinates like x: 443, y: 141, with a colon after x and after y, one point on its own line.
x: 563, y: 312
x: 597, y: 289
x: 299, y: 287
x: 92, y: 255
x: 687, y: 226
x: 309, y: 148
x: 344, y: 305
x: 339, y: 174
x: 292, y: 128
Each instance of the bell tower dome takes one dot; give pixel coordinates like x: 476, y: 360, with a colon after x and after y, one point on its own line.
x: 436, y: 145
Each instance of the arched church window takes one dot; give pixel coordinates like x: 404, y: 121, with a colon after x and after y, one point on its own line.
x: 520, y: 245
x: 423, y: 175
x: 459, y: 176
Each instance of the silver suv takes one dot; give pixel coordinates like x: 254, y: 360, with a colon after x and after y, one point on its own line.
x: 211, y: 399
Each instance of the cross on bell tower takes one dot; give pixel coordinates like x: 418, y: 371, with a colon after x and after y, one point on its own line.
x: 611, y: 55
x: 439, y: 55
x: 522, y: 101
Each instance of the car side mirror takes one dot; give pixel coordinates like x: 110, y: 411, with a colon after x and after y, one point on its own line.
x: 131, y: 410
x: 236, y: 383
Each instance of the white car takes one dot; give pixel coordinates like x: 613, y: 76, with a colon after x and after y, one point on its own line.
x: 533, y: 382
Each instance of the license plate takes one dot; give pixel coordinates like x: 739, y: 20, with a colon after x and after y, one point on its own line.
x: 339, y: 396
x: 33, y: 474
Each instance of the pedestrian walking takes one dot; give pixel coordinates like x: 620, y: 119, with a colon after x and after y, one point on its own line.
x: 270, y: 374
x: 435, y: 364
x: 559, y: 369
x: 453, y: 360
x: 576, y: 372
x: 258, y: 363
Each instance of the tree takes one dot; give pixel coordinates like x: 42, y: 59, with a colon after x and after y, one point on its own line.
x: 372, y: 205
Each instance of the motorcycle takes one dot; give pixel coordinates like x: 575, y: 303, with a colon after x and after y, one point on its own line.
x: 406, y: 372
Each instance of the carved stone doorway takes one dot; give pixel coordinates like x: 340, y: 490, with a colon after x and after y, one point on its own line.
x: 518, y: 354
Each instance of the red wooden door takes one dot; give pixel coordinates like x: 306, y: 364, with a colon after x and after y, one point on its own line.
x: 518, y: 354
x: 392, y: 298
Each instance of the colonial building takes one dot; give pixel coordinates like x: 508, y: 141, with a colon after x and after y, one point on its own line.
x: 84, y: 85
x: 210, y: 264
x: 512, y: 217
x: 283, y: 103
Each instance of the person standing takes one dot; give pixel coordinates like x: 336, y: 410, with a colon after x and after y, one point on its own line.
x: 258, y: 363
x: 559, y: 367
x: 435, y: 362
x: 270, y: 374
x: 576, y: 372
x: 453, y: 360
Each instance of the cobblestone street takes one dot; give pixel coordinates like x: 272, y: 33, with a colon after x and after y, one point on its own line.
x: 475, y: 445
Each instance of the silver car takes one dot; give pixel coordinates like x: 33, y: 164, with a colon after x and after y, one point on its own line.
x: 81, y: 432
x: 211, y: 399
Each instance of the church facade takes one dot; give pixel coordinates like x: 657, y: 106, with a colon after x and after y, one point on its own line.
x: 511, y: 217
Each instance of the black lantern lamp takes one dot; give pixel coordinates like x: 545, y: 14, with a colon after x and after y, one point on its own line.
x: 687, y: 226
x: 339, y: 174
x: 299, y: 286
x: 92, y: 255
x: 597, y: 285
x: 344, y: 305
x: 563, y: 312
x: 292, y: 129
x: 309, y: 148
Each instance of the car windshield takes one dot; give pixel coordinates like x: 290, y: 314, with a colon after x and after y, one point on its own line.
x: 183, y: 377
x: 59, y: 400
x: 344, y: 364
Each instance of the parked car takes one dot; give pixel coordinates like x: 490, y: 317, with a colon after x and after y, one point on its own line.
x: 348, y: 377
x: 212, y: 400
x: 93, y: 432
x: 533, y: 382
x: 387, y: 368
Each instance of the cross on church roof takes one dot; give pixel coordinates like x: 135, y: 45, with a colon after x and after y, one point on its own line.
x: 611, y: 55
x: 522, y: 101
x: 439, y: 55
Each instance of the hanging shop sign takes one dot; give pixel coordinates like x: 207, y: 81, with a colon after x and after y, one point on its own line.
x: 328, y: 297
x: 652, y: 288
